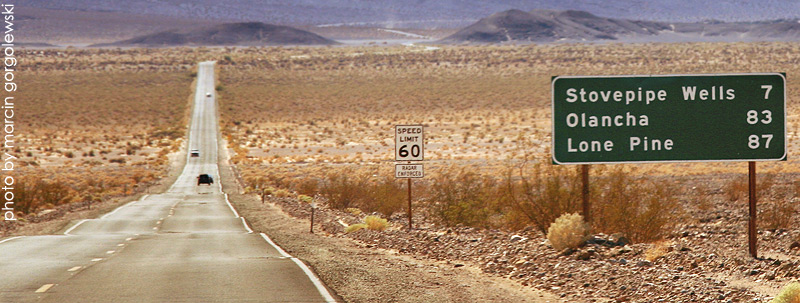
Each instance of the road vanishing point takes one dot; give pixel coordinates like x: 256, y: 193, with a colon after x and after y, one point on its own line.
x: 187, y: 244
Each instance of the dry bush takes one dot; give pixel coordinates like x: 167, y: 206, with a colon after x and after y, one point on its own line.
x: 644, y: 210
x: 40, y: 188
x: 463, y: 198
x: 31, y: 193
x: 657, y: 250
x: 776, y: 213
x: 376, y: 223
x: 789, y: 294
x: 354, y: 211
x: 366, y: 190
x: 355, y: 227
x: 387, y: 196
x: 538, y: 194
x: 568, y: 231
x: 282, y: 193
x: 344, y: 189
x: 737, y: 188
x: 305, y: 199
x: 307, y: 186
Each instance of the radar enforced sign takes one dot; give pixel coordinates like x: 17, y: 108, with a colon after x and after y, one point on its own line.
x: 673, y: 118
x: 408, y: 171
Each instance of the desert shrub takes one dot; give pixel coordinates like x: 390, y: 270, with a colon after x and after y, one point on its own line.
x: 355, y: 227
x: 386, y: 196
x: 736, y: 188
x: 463, y: 198
x: 305, y: 199
x: 538, y: 194
x: 797, y: 188
x: 376, y: 223
x: 282, y: 193
x: 656, y: 251
x: 343, y: 189
x: 348, y: 188
x: 644, y: 210
x: 568, y: 231
x: 269, y: 190
x: 789, y: 294
x: 354, y: 211
x: 33, y: 192
x: 306, y: 186
x: 776, y: 213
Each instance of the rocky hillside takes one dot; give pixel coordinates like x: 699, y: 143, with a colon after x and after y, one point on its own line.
x: 247, y: 33
x: 552, y: 25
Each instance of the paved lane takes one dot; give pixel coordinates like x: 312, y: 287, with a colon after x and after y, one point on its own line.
x: 185, y: 245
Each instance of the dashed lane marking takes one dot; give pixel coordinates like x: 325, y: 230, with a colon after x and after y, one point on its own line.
x: 76, y: 268
x: 44, y: 288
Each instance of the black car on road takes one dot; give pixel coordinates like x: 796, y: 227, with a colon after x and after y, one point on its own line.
x: 204, y: 179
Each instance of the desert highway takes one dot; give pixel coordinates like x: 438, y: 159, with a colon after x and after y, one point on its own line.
x: 185, y: 245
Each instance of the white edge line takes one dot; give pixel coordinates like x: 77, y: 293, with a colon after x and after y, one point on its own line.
x: 311, y: 276
x: 249, y: 231
x: 278, y: 248
x: 231, y: 206
x: 317, y: 283
x: 74, y: 226
x: 12, y: 238
x: 126, y: 204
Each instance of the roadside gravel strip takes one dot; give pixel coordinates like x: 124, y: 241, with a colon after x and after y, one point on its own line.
x: 360, y: 274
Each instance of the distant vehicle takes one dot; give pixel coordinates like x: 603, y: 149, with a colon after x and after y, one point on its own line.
x: 208, y: 94
x: 194, y: 153
x: 204, y: 179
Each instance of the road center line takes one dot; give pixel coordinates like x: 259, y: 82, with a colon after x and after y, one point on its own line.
x: 44, y: 288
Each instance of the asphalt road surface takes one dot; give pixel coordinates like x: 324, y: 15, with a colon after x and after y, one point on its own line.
x: 185, y: 245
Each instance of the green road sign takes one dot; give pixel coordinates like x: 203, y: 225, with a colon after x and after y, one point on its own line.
x: 670, y: 118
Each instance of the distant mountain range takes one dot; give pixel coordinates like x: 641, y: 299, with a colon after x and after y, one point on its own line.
x: 427, y: 13
x: 570, y: 25
x: 245, y: 33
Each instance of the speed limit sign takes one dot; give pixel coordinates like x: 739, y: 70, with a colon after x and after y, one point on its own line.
x: 408, y: 143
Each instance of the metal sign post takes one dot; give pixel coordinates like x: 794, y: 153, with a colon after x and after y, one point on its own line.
x: 408, y: 147
x: 670, y: 118
x: 751, y: 224
x: 587, y: 211
x: 313, y: 208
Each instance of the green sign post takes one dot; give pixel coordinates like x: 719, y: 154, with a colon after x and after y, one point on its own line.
x: 671, y: 118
